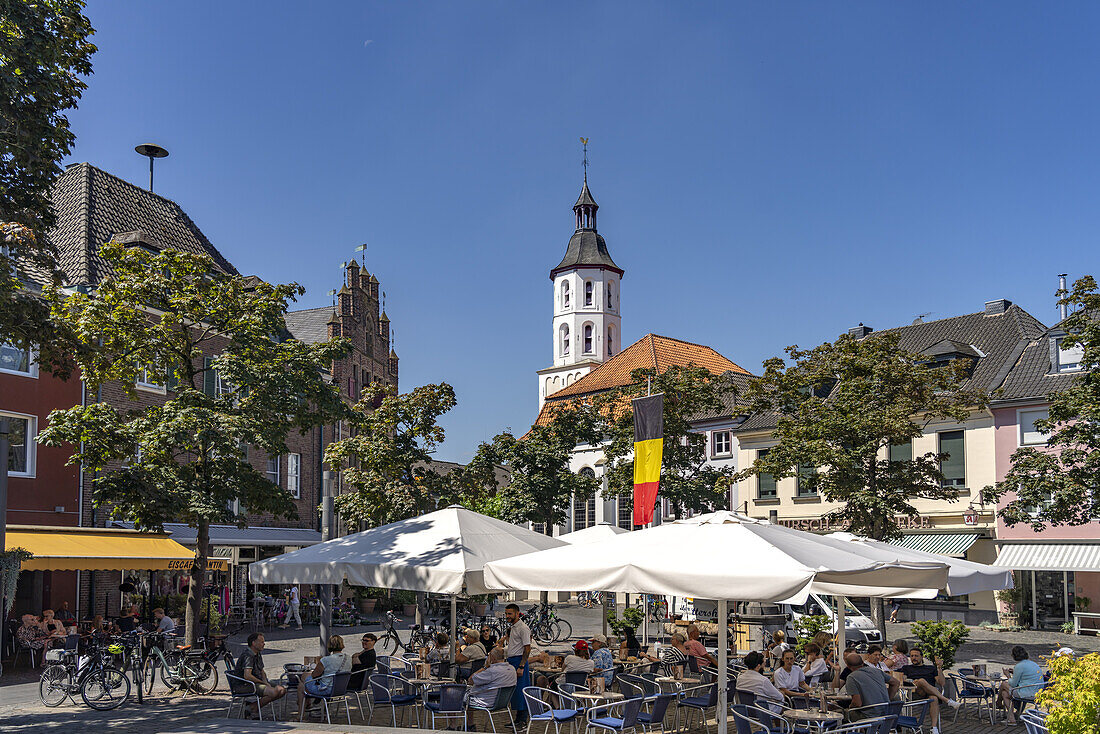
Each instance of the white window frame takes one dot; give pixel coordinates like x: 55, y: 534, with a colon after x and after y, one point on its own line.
x: 32, y: 446
x: 141, y: 381
x: 564, y: 294
x: 1020, y: 440
x: 32, y: 363
x: 588, y: 338
x: 1078, y: 350
x: 589, y: 294
x: 278, y: 470
x: 610, y: 341
x: 563, y: 338
x: 294, y: 475
x: 714, y: 452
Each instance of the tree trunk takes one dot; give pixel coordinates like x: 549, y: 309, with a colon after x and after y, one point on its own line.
x: 198, y: 581
x: 548, y: 529
x: 878, y: 615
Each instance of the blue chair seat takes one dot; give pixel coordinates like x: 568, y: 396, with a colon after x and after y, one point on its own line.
x: 698, y: 701
x: 566, y: 714
x: 403, y: 698
x: 609, y: 721
x: 908, y: 722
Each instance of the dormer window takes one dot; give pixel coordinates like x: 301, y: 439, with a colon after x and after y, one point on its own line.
x: 1069, y: 358
x: 947, y: 351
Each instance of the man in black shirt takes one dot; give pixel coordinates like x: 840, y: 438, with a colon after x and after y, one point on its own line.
x: 366, y: 658
x: 250, y: 667
x: 927, y: 680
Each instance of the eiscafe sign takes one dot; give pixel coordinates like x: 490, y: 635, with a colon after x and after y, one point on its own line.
x: 825, y: 525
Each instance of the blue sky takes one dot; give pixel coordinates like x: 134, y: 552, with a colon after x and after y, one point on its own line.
x: 768, y: 174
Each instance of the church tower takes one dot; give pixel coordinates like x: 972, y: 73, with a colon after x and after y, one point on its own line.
x: 586, y: 327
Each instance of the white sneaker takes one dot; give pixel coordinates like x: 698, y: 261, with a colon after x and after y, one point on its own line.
x: 953, y: 703
x: 935, y: 730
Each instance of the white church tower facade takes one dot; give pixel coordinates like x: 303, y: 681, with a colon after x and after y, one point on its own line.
x: 587, y: 321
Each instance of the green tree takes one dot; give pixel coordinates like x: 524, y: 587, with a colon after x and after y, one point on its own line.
x: 185, y: 459
x: 841, y: 406
x: 1056, y: 485
x: 687, y: 481
x: 541, y: 483
x: 387, y: 460
x: 1073, y: 695
x: 44, y: 52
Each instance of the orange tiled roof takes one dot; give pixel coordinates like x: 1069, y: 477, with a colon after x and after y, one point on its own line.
x: 650, y: 352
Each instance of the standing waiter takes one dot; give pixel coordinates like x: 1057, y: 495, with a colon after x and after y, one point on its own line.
x: 517, y: 648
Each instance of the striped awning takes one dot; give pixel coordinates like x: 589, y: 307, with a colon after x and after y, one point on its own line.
x: 946, y: 544
x: 1050, y: 556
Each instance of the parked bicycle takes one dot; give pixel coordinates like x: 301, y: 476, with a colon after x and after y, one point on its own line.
x: 546, y: 626
x: 390, y: 641
x: 184, y: 668
x: 101, y: 685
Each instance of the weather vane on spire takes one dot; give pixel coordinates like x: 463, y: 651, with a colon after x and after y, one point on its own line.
x: 584, y: 147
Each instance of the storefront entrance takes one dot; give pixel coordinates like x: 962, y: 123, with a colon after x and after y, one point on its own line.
x: 1048, y: 599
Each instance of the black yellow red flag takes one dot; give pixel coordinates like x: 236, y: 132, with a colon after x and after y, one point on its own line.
x: 649, y: 433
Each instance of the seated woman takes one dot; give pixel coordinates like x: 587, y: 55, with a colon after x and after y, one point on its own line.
x: 900, y: 656
x: 630, y: 646
x: 53, y: 629
x: 318, y: 683
x: 1026, y: 680
x: 30, y: 634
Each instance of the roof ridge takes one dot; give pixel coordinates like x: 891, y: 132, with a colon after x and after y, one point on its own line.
x: 701, y: 346
x: 303, y: 310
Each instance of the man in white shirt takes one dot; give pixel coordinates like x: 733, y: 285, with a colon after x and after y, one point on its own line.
x: 578, y: 661
x: 789, y: 678
x: 494, y: 676
x: 293, y: 605
x: 517, y: 649
x: 751, y: 680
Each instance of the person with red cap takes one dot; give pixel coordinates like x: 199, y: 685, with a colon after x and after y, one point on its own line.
x: 578, y: 661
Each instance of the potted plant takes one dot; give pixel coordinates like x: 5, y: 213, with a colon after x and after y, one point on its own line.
x: 1008, y: 608
x: 631, y: 620
x: 479, y: 604
x: 407, y: 600
x: 941, y: 640
x: 368, y: 597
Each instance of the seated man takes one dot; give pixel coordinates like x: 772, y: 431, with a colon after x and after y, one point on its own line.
x: 928, y: 679
x: 752, y: 680
x: 867, y: 686
x: 579, y: 661
x: 164, y: 623
x: 64, y: 615
x: 1026, y: 680
x: 602, y: 658
x: 875, y: 658
x: 695, y: 648
x: 250, y: 666
x: 675, y: 655
x: 789, y: 678
x: 485, y: 682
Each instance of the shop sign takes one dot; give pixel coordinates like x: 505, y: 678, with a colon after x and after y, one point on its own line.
x: 828, y: 525
x: 970, y: 518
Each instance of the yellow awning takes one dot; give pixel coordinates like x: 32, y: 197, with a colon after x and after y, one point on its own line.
x: 101, y: 549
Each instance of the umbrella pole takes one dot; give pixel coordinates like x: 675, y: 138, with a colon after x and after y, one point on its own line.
x: 603, y: 611
x: 454, y: 629
x: 722, y: 711
x: 841, y: 634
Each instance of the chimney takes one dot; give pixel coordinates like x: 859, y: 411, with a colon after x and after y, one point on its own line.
x: 993, y: 308
x: 1063, y: 309
x: 860, y: 331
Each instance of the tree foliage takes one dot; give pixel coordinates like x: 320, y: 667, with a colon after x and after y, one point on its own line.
x: 44, y: 52
x: 840, y: 406
x: 185, y: 458
x: 687, y: 482
x: 1057, y: 484
x: 1073, y: 695
x: 387, y: 461
x: 541, y: 483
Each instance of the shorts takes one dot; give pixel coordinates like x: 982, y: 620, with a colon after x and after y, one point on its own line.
x: 318, y: 686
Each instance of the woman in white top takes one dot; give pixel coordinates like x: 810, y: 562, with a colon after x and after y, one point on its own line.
x: 319, y: 681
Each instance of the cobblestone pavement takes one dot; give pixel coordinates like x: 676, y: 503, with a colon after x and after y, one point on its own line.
x: 22, y: 712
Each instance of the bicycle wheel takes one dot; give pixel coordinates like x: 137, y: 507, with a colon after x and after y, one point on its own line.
x: 53, y: 686
x: 562, y: 630
x: 543, y: 633
x: 170, y: 675
x: 201, y: 675
x: 388, y: 644
x: 149, y: 674
x: 105, y: 689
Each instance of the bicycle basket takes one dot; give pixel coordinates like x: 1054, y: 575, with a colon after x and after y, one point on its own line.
x: 56, y: 656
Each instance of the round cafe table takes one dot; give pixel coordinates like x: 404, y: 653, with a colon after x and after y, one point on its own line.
x: 597, y: 697
x: 814, y: 719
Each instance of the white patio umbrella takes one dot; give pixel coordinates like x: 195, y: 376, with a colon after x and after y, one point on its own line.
x: 592, y: 534
x: 963, y: 577
x: 442, y: 552
x: 722, y: 556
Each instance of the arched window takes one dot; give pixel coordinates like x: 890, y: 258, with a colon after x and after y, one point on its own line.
x: 611, y: 341
x: 588, y: 291
x: 584, y: 510
x: 565, y: 294
x: 565, y: 340
x: 588, y: 339
x: 610, y: 303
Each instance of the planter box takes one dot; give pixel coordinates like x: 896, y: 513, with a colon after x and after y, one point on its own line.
x: 367, y: 605
x: 409, y: 610
x: 479, y: 610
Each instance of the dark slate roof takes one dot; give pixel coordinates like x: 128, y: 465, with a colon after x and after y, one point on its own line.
x: 585, y: 199
x: 233, y: 535
x: 93, y: 206
x: 309, y: 325
x: 1000, y: 338
x: 586, y: 249
x: 732, y: 403
x: 1033, y: 375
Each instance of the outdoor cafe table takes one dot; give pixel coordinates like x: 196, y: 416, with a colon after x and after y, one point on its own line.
x: 597, y: 697
x: 819, y: 720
